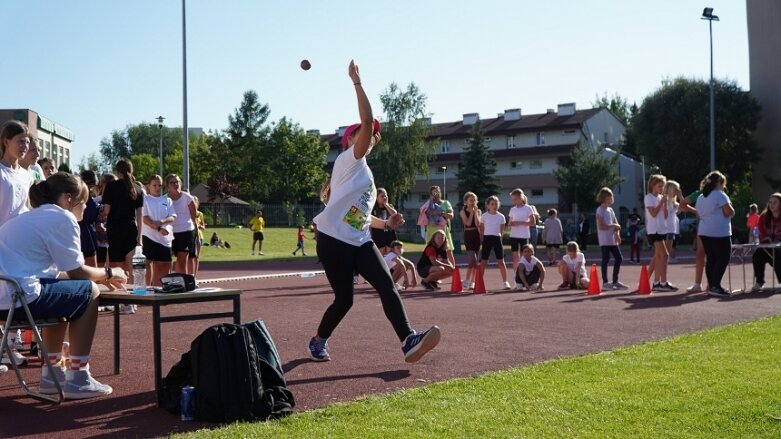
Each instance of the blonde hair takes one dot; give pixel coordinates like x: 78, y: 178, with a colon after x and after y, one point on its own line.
x: 470, y: 194
x: 573, y: 246
x: 604, y: 193
x: 431, y: 242
x: 672, y: 184
x: 654, y: 179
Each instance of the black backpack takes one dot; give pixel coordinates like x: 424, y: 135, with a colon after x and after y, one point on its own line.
x: 233, y: 380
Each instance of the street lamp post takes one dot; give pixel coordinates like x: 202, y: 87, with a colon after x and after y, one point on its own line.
x: 444, y: 181
x: 160, y: 120
x: 707, y: 14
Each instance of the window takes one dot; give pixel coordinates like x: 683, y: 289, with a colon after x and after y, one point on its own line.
x: 537, y: 192
x: 569, y: 132
x: 535, y: 164
x: 439, y: 169
x: 516, y: 165
x: 606, y: 137
x: 540, y: 138
x: 510, y: 142
x: 423, y: 197
x: 487, y: 139
x: 444, y: 146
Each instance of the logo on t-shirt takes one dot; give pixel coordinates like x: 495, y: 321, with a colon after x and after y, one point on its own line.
x: 357, y: 215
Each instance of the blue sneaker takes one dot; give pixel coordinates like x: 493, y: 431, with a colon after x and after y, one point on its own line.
x: 416, y: 345
x: 317, y: 350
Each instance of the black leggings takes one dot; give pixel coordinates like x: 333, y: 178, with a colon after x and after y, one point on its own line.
x: 340, y: 260
x: 762, y: 257
x: 606, y: 251
x: 717, y: 254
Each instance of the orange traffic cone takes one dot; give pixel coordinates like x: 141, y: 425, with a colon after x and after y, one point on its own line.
x: 479, y: 287
x: 455, y: 283
x: 594, y: 289
x: 644, y: 286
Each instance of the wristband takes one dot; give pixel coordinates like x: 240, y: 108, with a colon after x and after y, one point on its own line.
x: 109, y: 273
x: 356, y: 83
x: 159, y: 227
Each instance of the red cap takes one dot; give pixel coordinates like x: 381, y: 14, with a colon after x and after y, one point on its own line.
x: 351, y: 129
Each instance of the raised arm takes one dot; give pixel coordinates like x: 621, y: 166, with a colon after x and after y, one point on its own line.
x: 364, y: 137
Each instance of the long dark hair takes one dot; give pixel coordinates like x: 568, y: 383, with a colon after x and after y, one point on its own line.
x: 9, y: 130
x: 125, y: 168
x: 48, y: 191
x: 709, y: 183
x: 768, y: 214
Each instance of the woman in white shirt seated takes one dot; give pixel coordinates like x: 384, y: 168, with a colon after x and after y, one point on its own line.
x: 41, y: 250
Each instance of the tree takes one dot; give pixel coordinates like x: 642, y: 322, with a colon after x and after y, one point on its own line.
x: 143, y: 138
x: 589, y: 170
x: 144, y: 166
x: 94, y: 163
x: 672, y: 130
x: 617, y: 105
x: 478, y: 169
x: 403, y: 153
x: 297, y: 160
x: 220, y: 188
x: 241, y: 153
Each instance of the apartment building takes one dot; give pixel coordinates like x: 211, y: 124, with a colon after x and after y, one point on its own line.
x: 527, y: 149
x: 54, y: 140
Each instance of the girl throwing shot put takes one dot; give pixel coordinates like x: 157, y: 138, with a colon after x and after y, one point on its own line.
x: 344, y: 241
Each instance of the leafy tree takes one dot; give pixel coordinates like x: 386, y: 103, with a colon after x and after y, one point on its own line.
x: 94, y: 163
x: 138, y: 139
x: 617, y: 105
x: 295, y: 161
x: 241, y: 152
x: 220, y: 188
x: 672, y: 130
x: 64, y: 168
x: 145, y: 165
x: 589, y: 170
x: 403, y: 153
x: 478, y: 169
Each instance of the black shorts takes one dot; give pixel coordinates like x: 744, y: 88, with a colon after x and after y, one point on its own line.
x: 553, y: 245
x: 122, y: 239
x: 156, y: 252
x: 531, y: 278
x: 656, y: 237
x: 257, y: 236
x: 472, y: 240
x: 491, y: 242
x: 184, y: 242
x: 102, y: 253
x: 517, y: 243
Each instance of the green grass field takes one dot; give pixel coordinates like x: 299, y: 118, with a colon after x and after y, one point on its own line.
x: 718, y: 383
x: 278, y: 244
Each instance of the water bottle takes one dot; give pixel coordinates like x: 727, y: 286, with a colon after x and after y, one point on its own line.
x: 755, y: 235
x: 139, y: 272
x: 307, y: 275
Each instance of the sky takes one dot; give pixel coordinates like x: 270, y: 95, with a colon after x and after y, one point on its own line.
x: 96, y: 66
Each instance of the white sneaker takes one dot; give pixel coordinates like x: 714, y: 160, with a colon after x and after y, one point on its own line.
x: 127, y: 309
x: 519, y: 287
x: 400, y: 287
x: 79, y: 384
x: 695, y: 288
x: 620, y: 286
x: 757, y: 287
x: 3, y: 368
x: 47, y: 386
x: 507, y: 286
x: 534, y: 287
x: 19, y: 359
x: 467, y: 285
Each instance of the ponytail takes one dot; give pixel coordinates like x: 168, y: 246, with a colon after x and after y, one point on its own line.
x: 49, y: 191
x: 40, y: 194
x: 125, y: 168
x: 710, y: 182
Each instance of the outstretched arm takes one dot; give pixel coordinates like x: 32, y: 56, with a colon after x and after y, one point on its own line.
x: 366, y: 132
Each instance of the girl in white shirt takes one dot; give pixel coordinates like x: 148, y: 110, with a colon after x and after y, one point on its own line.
x: 344, y: 242
x: 715, y: 211
x: 656, y: 230
x: 15, y: 181
x: 673, y: 192
x: 492, y: 224
x: 572, y: 268
x: 184, y: 225
x: 41, y: 250
x: 157, y: 232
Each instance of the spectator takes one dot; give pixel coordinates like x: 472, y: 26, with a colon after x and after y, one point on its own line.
x: 434, y: 264
x: 769, y: 233
x: 383, y: 210
x: 48, y: 167
x: 89, y: 242
x: 552, y: 233
x: 184, y: 224
x: 300, y: 241
x: 157, y: 231
x: 256, y: 224
x: 29, y: 161
x: 715, y: 229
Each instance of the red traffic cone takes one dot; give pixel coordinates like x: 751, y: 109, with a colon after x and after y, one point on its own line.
x: 455, y: 283
x: 593, y: 283
x: 479, y: 287
x: 644, y: 286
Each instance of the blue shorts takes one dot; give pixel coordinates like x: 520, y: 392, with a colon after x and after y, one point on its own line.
x: 59, y: 298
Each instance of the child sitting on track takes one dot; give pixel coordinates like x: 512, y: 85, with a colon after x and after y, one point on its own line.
x: 531, y: 271
x: 573, y: 268
x: 399, y: 266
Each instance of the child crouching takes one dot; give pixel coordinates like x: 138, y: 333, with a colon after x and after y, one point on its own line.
x: 573, y: 268
x: 531, y: 271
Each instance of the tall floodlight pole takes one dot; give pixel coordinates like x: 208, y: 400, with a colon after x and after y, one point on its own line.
x: 160, y: 120
x: 444, y: 182
x: 185, y: 131
x: 707, y: 14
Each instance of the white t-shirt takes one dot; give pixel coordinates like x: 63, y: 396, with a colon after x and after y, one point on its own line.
x: 390, y: 259
x: 522, y: 213
x: 347, y: 215
x: 572, y: 264
x: 713, y: 223
x: 653, y: 225
x: 35, y: 245
x: 672, y: 224
x: 183, y: 221
x: 493, y: 223
x: 528, y: 266
x: 608, y: 236
x: 158, y: 208
x: 14, y: 189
